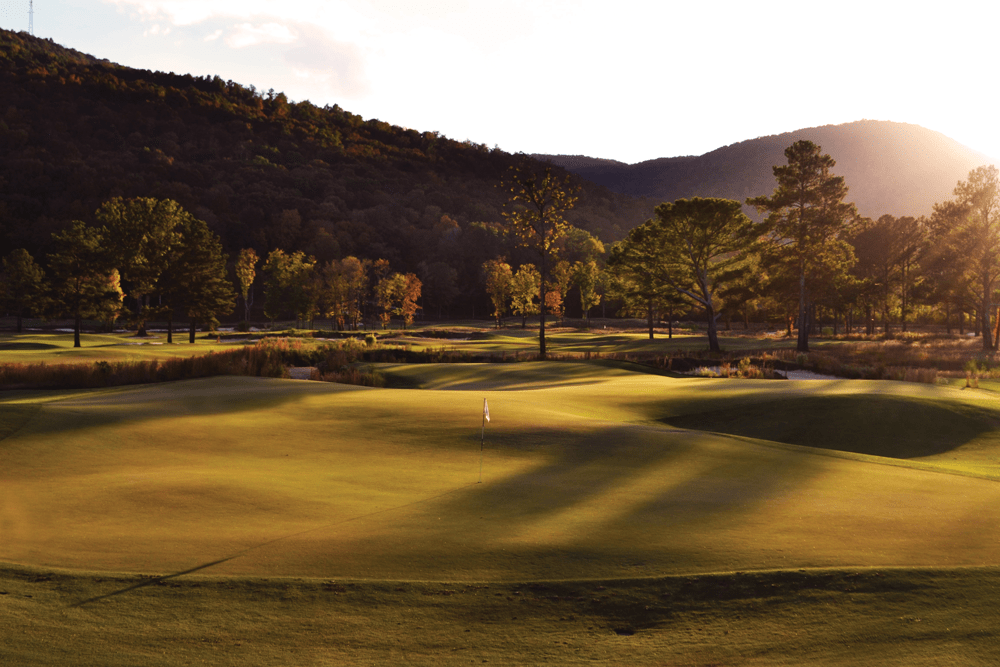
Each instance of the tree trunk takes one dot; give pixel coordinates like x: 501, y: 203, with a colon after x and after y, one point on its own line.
x: 802, y: 344
x: 649, y: 318
x: 170, y: 330
x: 18, y: 321
x: 541, y: 322
x: 670, y: 323
x: 713, y: 334
x: 77, y: 325
x: 996, y: 339
x: 191, y: 332
x: 987, y: 308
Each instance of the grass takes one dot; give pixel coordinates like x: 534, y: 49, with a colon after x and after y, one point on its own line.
x: 890, y: 616
x: 623, y: 517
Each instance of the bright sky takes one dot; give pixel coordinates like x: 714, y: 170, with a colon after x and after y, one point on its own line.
x: 627, y: 80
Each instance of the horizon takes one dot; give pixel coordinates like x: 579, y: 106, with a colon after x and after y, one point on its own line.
x: 458, y: 68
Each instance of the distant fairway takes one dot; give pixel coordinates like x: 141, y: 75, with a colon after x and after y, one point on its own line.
x: 591, y: 477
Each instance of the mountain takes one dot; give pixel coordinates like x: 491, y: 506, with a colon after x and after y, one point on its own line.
x: 895, y: 168
x: 263, y: 172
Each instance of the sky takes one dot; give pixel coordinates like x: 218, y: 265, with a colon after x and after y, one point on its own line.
x: 626, y: 80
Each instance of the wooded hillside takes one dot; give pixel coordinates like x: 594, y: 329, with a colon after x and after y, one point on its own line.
x: 263, y: 172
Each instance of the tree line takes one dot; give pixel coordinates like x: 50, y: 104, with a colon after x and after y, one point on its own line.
x: 812, y: 259
x: 149, y: 259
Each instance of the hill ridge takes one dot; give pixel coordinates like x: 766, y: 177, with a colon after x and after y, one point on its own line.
x: 890, y: 167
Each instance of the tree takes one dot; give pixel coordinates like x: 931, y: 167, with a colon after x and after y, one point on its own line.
x: 807, y: 217
x: 287, y: 283
x: 524, y: 289
x: 440, y: 284
x: 587, y: 276
x: 702, y: 239
x: 80, y: 271
x: 246, y: 271
x: 537, y: 200
x: 976, y: 214
x: 886, y: 252
x: 408, y: 292
x: 638, y: 276
x: 498, y: 286
x: 110, y: 309
x: 197, y: 280
x: 22, y: 283
x: 555, y: 297
x: 385, y: 291
x: 145, y: 232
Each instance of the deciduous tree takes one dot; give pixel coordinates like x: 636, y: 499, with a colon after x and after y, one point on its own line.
x: 498, y: 277
x: 538, y: 197
x: 144, y: 233
x: 246, y: 271
x: 524, y: 290
x: 587, y: 277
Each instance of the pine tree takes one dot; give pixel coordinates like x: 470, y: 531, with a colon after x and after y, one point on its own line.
x: 22, y: 284
x: 808, y: 219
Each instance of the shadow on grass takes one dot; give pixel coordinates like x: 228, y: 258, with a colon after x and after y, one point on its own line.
x: 878, y: 425
x: 16, y: 347
x: 209, y: 396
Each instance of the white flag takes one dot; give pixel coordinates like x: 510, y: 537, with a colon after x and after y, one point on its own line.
x: 486, y: 410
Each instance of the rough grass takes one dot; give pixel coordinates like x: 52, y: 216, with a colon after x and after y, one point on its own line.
x: 901, y: 617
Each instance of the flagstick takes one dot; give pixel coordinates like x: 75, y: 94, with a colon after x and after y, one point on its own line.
x: 482, y: 444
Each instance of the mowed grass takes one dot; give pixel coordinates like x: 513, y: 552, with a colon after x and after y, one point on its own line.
x: 303, y: 516
x: 58, y: 347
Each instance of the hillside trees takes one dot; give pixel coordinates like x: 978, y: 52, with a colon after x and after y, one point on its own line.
x: 22, y: 284
x: 808, y: 221
x: 538, y: 199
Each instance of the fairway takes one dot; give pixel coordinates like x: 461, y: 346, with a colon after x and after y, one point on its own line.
x: 625, y: 516
x: 605, y: 473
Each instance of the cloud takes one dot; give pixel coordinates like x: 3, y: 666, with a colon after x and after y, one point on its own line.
x: 246, y: 34
x: 320, y: 59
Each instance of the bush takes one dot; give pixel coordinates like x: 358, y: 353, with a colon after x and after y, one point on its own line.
x: 371, y: 340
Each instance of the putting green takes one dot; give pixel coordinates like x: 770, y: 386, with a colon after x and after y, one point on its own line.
x: 590, y: 477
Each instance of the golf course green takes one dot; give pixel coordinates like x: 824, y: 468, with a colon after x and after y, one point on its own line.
x: 635, y: 516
